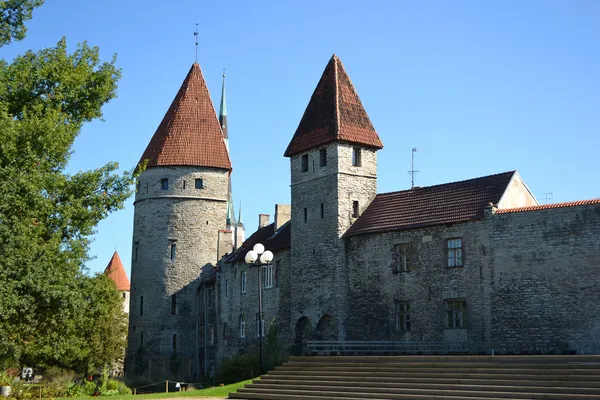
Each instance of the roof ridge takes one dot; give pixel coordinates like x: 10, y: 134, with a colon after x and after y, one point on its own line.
x: 336, y: 94
x: 446, y: 184
x: 564, y: 204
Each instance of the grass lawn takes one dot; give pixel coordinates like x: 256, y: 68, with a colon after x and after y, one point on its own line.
x: 219, y: 391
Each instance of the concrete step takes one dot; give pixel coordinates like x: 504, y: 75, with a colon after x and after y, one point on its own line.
x: 309, y: 374
x: 399, y: 386
x: 413, y: 365
x: 510, y: 359
x: 265, y: 396
x: 447, y: 369
x: 326, y: 393
x: 378, y: 380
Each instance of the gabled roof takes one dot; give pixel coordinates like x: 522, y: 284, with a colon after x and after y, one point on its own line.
x: 549, y: 206
x: 271, y: 239
x: 190, y: 133
x: 433, y: 205
x: 334, y: 113
x: 116, y: 272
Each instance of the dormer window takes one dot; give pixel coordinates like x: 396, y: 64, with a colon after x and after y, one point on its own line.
x: 304, y: 162
x: 164, y: 184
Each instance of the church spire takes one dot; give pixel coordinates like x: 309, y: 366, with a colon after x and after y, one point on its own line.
x: 223, y: 113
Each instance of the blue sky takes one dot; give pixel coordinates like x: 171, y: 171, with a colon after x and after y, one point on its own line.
x: 479, y: 87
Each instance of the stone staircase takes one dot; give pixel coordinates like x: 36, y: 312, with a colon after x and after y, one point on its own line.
x: 429, y: 377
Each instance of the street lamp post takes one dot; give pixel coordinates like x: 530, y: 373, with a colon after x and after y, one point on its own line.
x: 259, y: 257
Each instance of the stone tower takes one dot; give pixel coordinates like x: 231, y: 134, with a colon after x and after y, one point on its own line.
x: 180, y: 206
x: 333, y: 158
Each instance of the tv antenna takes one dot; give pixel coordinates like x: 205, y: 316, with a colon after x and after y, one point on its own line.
x: 413, y: 171
x: 548, y: 197
x: 196, y: 36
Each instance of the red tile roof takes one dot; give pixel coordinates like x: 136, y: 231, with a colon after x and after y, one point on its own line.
x: 549, y: 206
x: 334, y: 113
x: 116, y: 272
x: 190, y: 133
x: 433, y: 205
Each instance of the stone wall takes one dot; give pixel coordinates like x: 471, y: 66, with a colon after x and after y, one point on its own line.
x: 545, y: 279
x: 530, y: 281
x: 190, y: 219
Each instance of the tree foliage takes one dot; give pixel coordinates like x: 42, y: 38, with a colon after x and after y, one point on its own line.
x: 51, y: 311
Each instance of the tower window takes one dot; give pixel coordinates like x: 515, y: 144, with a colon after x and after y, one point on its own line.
x: 135, y: 253
x: 199, y: 184
x: 305, y: 214
x: 141, y: 340
x: 183, y: 185
x: 304, y: 162
x: 173, y: 251
x: 174, y: 304
x: 322, y: 210
x: 323, y: 157
x: 243, y: 285
x: 174, y: 341
x: 356, y: 156
x: 242, y: 326
x: 141, y: 306
x: 164, y: 184
x: 355, y: 209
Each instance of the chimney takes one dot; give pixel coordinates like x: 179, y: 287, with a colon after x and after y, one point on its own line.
x: 283, y: 213
x: 263, y: 220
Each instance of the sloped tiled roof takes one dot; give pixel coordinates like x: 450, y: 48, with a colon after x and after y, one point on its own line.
x: 433, y: 205
x: 334, y: 113
x: 116, y: 272
x: 190, y: 133
x: 549, y: 206
x: 273, y: 241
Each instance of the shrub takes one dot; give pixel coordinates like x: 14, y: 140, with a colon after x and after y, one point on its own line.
x: 239, y: 368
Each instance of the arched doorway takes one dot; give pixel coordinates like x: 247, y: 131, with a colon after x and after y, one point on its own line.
x: 303, y: 333
x: 327, y: 328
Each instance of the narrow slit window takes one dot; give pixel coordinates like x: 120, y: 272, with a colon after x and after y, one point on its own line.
x: 174, y: 341
x: 173, y: 251
x: 141, y: 306
x: 174, y: 304
x: 305, y: 214
x: 355, y: 209
x: 322, y: 210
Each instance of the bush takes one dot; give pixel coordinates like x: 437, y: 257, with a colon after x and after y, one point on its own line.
x: 239, y: 368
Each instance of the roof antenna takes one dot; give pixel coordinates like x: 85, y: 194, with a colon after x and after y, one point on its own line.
x: 548, y: 197
x: 196, y: 35
x: 413, y: 171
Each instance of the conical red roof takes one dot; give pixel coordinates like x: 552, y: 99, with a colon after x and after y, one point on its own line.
x: 116, y: 272
x: 189, y: 133
x: 334, y: 113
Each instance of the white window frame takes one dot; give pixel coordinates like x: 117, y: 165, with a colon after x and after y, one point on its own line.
x: 455, y: 252
x: 242, y: 326
x: 403, y: 261
x: 243, y: 283
x: 268, y: 274
x: 455, y: 310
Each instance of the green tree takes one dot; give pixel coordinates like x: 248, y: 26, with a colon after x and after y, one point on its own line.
x: 51, y: 311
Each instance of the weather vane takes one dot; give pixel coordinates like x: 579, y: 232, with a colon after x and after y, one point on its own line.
x: 196, y: 35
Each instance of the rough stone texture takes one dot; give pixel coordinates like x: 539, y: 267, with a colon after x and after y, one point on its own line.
x: 530, y: 281
x: 190, y: 218
x: 318, y: 275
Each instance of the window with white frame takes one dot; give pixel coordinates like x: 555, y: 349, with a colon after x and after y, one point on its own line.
x: 403, y: 263
x: 455, y: 252
x: 242, y: 326
x: 243, y: 277
x: 455, y: 313
x: 268, y: 275
x: 260, y: 321
x: 402, y: 316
